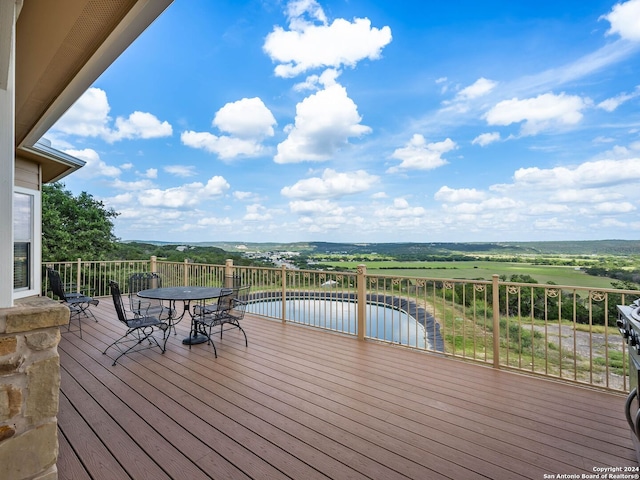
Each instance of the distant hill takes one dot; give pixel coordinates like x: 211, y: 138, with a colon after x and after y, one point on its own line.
x: 584, y: 247
x: 588, y: 247
x: 591, y: 247
x: 239, y: 246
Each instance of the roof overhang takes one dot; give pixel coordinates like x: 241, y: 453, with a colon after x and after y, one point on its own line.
x: 54, y: 164
x: 62, y: 47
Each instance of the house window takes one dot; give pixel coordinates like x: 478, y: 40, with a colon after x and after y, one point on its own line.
x: 26, y: 241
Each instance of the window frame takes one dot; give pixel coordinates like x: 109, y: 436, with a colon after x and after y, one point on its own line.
x: 35, y: 251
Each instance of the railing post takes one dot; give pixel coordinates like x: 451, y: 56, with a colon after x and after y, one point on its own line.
x: 284, y: 294
x: 362, y: 301
x: 186, y: 272
x: 78, y: 276
x: 495, y: 307
x: 228, y: 273
x: 153, y: 268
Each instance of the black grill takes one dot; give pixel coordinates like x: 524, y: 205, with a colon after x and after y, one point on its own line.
x: 629, y: 326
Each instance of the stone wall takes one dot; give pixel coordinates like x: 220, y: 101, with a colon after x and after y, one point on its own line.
x: 30, y: 388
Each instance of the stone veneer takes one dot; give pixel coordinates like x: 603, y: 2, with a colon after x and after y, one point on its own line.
x: 30, y: 388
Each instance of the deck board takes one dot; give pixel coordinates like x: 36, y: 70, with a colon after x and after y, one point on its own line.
x: 300, y: 403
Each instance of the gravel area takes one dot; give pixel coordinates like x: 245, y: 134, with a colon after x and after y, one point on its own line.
x: 585, y: 343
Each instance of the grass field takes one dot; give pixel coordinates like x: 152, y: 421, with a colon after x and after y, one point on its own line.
x: 561, y: 275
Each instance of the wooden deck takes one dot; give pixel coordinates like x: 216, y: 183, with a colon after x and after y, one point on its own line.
x: 303, y: 404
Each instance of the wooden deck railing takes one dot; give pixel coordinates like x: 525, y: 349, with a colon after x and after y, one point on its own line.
x: 558, y: 331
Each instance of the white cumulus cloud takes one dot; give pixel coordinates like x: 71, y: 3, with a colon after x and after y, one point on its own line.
x: 312, y: 207
x: 540, y: 113
x: 452, y: 195
x: 485, y: 139
x: 187, y: 195
x: 480, y: 87
x: 312, y: 42
x: 586, y: 175
x: 246, y: 118
x: 401, y: 209
x: 324, y: 123
x: 224, y: 146
x: 420, y: 155
x: 257, y: 213
x: 625, y: 20
x: 95, y: 166
x: 150, y: 173
x: 139, y: 125
x: 610, y: 104
x: 89, y: 117
x: 247, y: 121
x: 332, y: 184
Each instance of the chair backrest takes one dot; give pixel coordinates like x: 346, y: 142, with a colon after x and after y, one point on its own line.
x: 242, y: 293
x: 225, y: 301
x: 117, y: 301
x: 137, y: 282
x: 56, y: 284
x: 241, y: 300
x: 142, y: 281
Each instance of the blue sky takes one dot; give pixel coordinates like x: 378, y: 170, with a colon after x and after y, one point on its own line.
x: 368, y: 121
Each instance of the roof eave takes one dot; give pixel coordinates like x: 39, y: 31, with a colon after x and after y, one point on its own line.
x: 55, y: 165
x: 134, y: 23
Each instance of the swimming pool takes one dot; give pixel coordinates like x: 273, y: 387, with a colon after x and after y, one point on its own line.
x: 383, y: 322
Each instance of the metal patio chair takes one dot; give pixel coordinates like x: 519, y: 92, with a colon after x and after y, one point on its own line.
x: 140, y: 329
x: 78, y: 303
x: 211, y: 308
x: 146, y: 307
x: 228, y: 312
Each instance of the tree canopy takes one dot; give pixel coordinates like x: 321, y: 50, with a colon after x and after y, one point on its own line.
x: 75, y: 227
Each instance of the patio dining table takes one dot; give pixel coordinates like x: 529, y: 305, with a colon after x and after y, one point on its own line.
x: 186, y: 295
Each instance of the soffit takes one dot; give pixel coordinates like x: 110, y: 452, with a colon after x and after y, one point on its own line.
x: 54, y: 40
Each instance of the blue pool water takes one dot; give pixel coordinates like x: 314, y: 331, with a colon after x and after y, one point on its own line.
x: 383, y: 322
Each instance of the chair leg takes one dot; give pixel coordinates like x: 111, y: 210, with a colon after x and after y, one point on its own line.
x: 75, y: 315
x: 165, y: 336
x: 246, y: 342
x: 79, y: 312
x: 237, y: 325
x: 210, y: 341
x: 215, y: 352
x: 200, y: 328
x: 140, y: 336
x: 79, y: 324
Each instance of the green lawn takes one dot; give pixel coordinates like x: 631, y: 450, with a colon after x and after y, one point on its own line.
x: 561, y: 275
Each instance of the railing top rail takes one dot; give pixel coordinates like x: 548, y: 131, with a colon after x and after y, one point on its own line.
x: 430, y: 279
x: 571, y: 287
x: 508, y: 283
x: 323, y: 272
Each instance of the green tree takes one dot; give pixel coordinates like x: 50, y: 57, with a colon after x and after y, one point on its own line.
x: 75, y: 227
